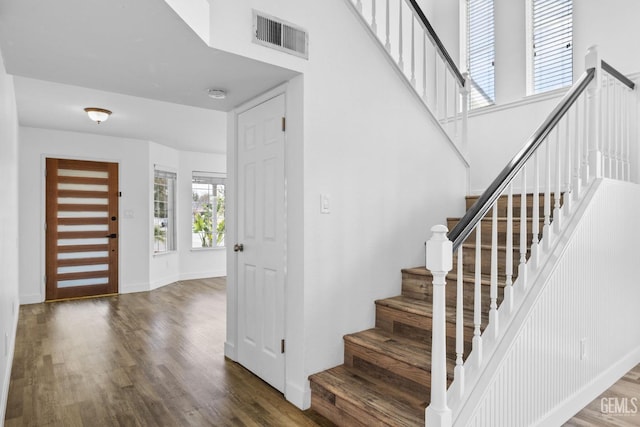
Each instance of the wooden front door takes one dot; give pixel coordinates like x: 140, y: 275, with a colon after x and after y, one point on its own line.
x: 82, y: 228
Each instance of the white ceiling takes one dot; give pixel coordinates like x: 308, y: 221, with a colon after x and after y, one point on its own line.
x: 134, y: 57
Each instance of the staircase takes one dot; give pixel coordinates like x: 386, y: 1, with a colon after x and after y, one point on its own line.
x: 386, y: 375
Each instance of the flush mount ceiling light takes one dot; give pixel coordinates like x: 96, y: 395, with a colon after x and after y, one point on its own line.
x: 217, y: 94
x: 98, y: 115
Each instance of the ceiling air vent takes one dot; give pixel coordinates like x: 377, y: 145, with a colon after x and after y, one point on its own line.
x: 278, y: 34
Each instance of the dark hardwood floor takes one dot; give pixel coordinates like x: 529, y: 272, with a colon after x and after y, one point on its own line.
x: 146, y: 359
x: 156, y: 359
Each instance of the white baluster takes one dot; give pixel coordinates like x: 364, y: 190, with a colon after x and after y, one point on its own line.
x: 445, y: 98
x: 606, y: 128
x: 424, y: 66
x: 568, y: 144
x: 577, y: 156
x: 585, y: 174
x: 476, y: 343
x: 465, y: 112
x: 618, y: 127
x: 522, y: 268
x: 439, y: 263
x: 387, y: 43
x: 627, y: 127
x: 493, y: 290
x: 456, y: 96
x: 400, y: 47
x: 611, y: 89
x: 535, y: 214
x: 558, y: 190
x: 413, y: 52
x: 436, y: 87
x: 593, y: 95
x: 508, y: 290
x: 374, y: 24
x: 547, y: 196
x: 458, y: 372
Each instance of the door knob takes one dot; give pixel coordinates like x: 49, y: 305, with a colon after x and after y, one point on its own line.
x: 238, y: 247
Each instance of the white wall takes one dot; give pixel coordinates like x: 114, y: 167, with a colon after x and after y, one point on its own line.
x: 363, y: 138
x: 139, y: 269
x: 9, y: 241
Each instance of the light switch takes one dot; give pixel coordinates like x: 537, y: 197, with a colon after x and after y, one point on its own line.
x: 325, y: 203
x: 128, y: 213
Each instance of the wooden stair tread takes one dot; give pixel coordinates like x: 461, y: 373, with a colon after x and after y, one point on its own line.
x: 500, y: 219
x: 422, y: 308
x: 353, y: 388
x: 413, y: 352
x: 485, y: 279
x: 418, y: 271
x: 487, y: 246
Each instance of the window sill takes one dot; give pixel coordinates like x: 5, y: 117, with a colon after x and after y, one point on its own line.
x: 160, y: 254
x: 528, y: 99
x: 212, y: 249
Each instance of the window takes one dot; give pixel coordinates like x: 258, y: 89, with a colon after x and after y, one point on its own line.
x: 164, y: 211
x: 207, y: 208
x: 480, y: 40
x: 551, y: 41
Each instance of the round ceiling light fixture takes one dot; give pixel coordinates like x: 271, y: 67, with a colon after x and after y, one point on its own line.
x: 98, y: 115
x: 217, y: 93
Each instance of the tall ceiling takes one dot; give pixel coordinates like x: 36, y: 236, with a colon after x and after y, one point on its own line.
x: 134, y: 57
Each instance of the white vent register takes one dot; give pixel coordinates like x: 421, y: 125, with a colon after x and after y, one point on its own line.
x: 280, y: 35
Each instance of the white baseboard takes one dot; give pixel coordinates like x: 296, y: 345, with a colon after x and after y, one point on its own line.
x: 7, y: 372
x: 31, y: 299
x: 299, y: 396
x: 230, y: 351
x: 133, y: 288
x: 203, y: 275
x: 163, y: 282
x: 591, y: 391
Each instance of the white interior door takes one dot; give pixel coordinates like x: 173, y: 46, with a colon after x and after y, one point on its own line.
x: 260, y: 248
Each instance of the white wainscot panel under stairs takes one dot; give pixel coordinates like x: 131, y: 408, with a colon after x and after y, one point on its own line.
x: 577, y: 330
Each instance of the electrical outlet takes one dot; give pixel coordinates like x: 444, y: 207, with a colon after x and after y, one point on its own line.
x: 583, y: 349
x: 13, y: 308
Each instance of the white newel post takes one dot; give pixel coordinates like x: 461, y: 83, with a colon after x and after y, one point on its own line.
x: 439, y: 263
x: 592, y: 60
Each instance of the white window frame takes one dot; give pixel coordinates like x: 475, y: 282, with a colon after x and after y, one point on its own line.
x: 167, y: 225
x: 208, y: 178
x: 530, y: 70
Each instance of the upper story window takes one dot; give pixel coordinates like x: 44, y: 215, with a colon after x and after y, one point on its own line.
x: 551, y: 45
x: 207, y: 207
x: 164, y: 211
x: 480, y: 51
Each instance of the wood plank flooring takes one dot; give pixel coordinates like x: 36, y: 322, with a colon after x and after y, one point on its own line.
x: 156, y: 359
x: 146, y: 359
x: 625, y: 393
